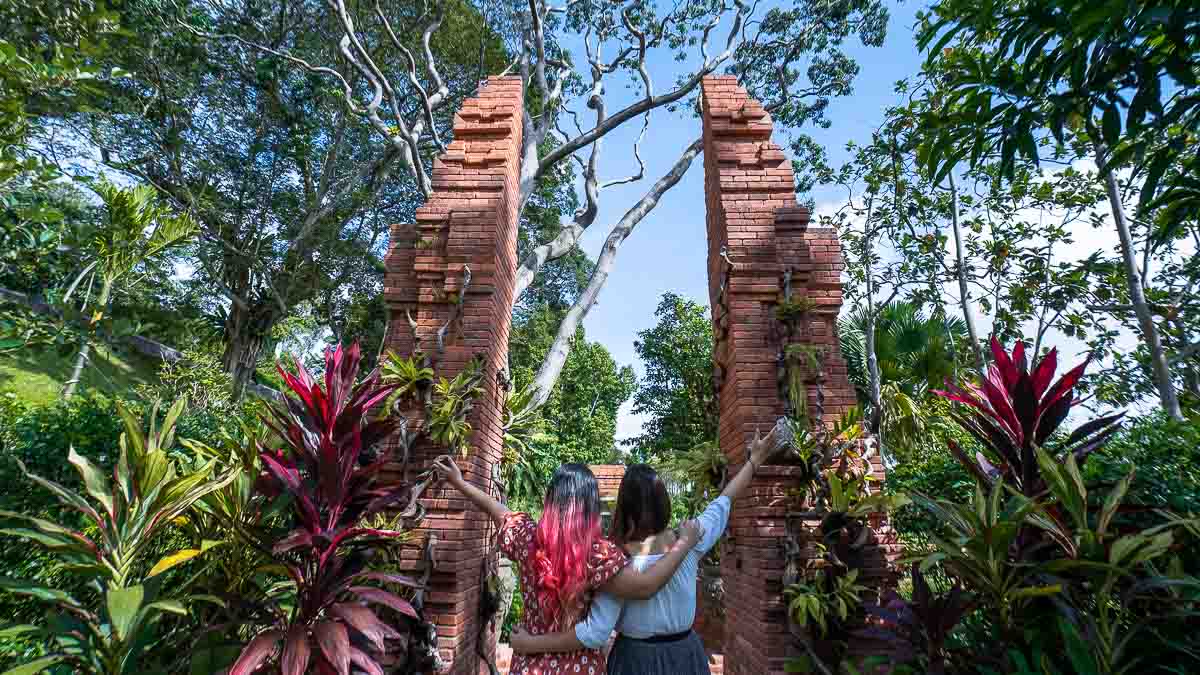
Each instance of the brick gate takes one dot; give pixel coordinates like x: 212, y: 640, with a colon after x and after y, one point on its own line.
x: 454, y: 272
x: 760, y: 243
x: 761, y: 249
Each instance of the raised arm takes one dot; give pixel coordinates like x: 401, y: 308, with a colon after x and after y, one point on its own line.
x: 636, y: 585
x: 449, y: 471
x: 761, y: 449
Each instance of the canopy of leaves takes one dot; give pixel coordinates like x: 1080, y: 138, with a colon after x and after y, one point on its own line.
x: 580, y: 418
x: 917, y: 350
x: 1124, y: 73
x: 676, y: 394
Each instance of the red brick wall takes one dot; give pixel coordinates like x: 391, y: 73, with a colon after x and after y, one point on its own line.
x: 609, y: 477
x: 469, y: 222
x: 753, y: 218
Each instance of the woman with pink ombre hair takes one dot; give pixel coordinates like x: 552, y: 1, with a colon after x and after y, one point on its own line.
x: 564, y: 561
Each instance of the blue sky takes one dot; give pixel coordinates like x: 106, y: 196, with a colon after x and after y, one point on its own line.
x: 668, y: 250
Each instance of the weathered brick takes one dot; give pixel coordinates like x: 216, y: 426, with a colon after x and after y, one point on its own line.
x: 753, y: 216
x: 470, y: 221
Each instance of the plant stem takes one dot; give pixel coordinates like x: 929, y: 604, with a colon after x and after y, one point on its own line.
x: 964, y: 291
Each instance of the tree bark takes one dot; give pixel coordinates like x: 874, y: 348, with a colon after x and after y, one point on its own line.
x: 964, y: 290
x: 874, y: 385
x: 246, y: 331
x: 1133, y: 280
x: 81, y: 360
x: 556, y: 358
x: 85, y: 346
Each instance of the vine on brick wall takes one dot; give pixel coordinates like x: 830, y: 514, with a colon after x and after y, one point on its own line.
x: 828, y: 529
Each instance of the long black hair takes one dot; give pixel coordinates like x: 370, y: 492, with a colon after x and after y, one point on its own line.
x: 643, y: 505
x: 570, y: 524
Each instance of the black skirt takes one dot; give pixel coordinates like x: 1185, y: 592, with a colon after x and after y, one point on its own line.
x: 683, y: 656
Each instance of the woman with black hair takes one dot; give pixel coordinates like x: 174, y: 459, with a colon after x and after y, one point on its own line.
x: 655, y: 635
x: 563, y: 561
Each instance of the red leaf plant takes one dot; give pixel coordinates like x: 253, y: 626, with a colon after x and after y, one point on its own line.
x: 330, y: 471
x: 1016, y: 409
x: 915, y: 631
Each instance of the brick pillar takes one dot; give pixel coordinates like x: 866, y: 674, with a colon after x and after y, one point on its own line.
x: 760, y: 243
x: 470, y: 222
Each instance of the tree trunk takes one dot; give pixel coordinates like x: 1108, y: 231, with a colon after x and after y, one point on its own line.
x: 85, y: 346
x: 874, y: 386
x: 1158, y: 359
x: 246, y: 331
x: 964, y: 290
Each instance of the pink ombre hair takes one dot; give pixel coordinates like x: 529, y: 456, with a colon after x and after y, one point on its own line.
x: 570, y: 524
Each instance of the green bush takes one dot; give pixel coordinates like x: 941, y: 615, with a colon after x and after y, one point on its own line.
x: 40, y: 436
x: 1166, y: 455
x: 926, y: 466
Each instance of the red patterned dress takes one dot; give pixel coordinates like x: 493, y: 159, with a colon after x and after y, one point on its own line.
x: 605, y: 562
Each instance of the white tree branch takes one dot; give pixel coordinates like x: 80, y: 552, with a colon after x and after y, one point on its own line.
x: 553, y: 364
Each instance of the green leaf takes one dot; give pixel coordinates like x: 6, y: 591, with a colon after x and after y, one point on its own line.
x: 1113, y: 500
x: 1154, y: 173
x: 23, y: 587
x: 1124, y: 546
x: 172, y: 606
x: 16, y: 630
x: 1037, y: 591
x: 37, y: 665
x: 1081, y: 658
x: 123, y: 607
x: 1112, y: 125
x: 64, y: 495
x: 94, y: 480
x: 50, y: 541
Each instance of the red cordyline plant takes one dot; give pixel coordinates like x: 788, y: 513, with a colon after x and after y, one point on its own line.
x: 1016, y: 409
x: 328, y: 467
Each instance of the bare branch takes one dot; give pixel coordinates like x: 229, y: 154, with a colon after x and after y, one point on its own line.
x: 637, y: 155
x: 555, y: 360
x: 428, y: 103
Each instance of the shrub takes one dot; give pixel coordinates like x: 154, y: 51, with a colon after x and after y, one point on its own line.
x: 113, y: 629
x: 1167, y: 457
x: 1065, y: 574
x: 332, y: 470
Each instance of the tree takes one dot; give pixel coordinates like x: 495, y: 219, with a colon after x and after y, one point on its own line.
x: 676, y: 393
x: 293, y: 195
x: 1116, y: 82
x: 572, y: 59
x: 120, y: 248
x: 45, y: 231
x: 47, y: 61
x: 917, y: 350
x: 581, y: 415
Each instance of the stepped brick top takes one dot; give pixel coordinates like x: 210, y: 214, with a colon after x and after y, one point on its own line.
x: 764, y: 252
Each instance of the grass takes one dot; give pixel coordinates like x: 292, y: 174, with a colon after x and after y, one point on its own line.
x: 37, y: 376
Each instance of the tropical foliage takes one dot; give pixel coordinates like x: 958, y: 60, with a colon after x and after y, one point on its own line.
x: 148, y: 490
x: 333, y: 470
x: 1036, y: 545
x: 1015, y: 411
x: 216, y: 183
